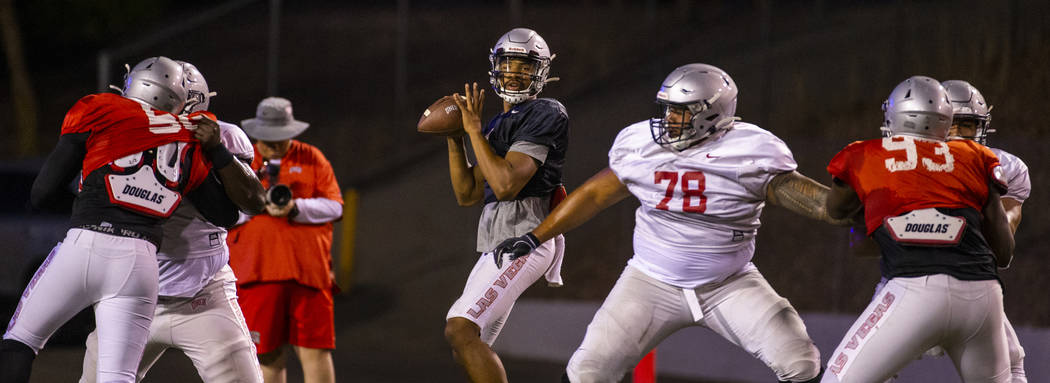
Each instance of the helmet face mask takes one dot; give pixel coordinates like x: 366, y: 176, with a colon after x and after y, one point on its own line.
x: 198, y: 95
x: 695, y: 102
x: 159, y: 82
x: 520, y: 64
x: 516, y: 73
x: 972, y: 116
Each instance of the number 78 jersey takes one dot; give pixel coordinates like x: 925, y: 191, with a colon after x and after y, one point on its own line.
x: 895, y: 175
x: 704, y: 200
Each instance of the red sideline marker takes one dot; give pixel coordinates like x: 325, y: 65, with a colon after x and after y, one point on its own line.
x: 645, y: 371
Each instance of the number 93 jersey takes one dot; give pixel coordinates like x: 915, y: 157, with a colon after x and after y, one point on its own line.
x: 700, y: 207
x: 137, y: 158
x: 895, y: 175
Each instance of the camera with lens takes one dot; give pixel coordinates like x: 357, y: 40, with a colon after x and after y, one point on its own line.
x: 278, y: 194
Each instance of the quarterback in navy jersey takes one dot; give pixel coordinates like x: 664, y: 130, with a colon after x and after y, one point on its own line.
x: 517, y: 176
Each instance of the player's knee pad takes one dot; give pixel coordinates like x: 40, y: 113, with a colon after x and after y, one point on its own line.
x: 815, y: 379
x: 1016, y: 353
x: 584, y: 369
x: 801, y: 364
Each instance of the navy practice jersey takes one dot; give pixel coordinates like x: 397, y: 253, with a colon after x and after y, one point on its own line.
x: 542, y: 121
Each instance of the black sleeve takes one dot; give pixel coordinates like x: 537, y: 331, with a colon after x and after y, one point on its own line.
x: 211, y: 200
x: 51, y: 190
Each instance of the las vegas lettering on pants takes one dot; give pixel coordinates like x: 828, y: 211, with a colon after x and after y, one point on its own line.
x: 491, y: 294
x: 862, y: 332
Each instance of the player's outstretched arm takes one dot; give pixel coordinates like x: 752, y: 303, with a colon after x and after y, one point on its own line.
x: 243, y: 187
x: 996, y: 229
x: 599, y: 192
x: 804, y: 196
x: 842, y: 201
x: 1013, y: 212
x: 238, y: 181
x: 505, y: 175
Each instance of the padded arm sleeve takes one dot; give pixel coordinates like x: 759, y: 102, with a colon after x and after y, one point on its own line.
x: 50, y: 189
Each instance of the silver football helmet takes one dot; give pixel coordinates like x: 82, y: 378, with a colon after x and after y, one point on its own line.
x: 918, y: 107
x: 519, y: 55
x: 159, y: 82
x: 695, y: 101
x: 968, y: 104
x: 199, y: 96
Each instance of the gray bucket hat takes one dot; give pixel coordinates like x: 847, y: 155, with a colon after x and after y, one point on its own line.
x: 273, y: 121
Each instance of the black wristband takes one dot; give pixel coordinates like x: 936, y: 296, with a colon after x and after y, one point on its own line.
x: 532, y: 237
x: 219, y: 156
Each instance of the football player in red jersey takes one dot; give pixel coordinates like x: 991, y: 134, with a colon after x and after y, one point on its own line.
x: 933, y: 207
x: 138, y: 159
x: 197, y: 311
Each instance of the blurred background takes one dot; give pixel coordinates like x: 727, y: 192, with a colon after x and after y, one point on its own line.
x: 361, y: 72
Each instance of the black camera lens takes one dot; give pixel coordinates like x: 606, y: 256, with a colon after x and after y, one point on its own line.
x: 279, y: 195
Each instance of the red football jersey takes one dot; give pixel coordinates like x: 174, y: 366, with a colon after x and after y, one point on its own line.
x: 895, y: 175
x: 119, y: 127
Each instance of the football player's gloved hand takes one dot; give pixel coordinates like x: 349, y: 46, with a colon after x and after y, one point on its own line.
x: 515, y: 247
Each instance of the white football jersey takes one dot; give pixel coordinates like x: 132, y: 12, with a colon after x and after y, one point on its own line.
x: 1015, y: 172
x: 700, y: 207
x: 193, y: 249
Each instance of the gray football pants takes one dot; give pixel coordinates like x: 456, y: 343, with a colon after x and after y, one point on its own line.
x: 641, y: 311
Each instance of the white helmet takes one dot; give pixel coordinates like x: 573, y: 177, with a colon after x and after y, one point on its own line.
x: 707, y: 93
x: 199, y: 96
x: 520, y: 44
x: 918, y: 107
x: 968, y: 104
x: 159, y: 82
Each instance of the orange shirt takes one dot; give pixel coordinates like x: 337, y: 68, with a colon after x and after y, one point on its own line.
x: 270, y: 249
x: 893, y: 176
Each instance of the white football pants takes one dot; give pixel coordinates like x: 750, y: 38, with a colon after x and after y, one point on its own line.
x: 641, y: 311
x: 208, y: 327
x: 490, y: 293
x: 910, y: 315
x: 118, y: 275
x: 1017, y: 374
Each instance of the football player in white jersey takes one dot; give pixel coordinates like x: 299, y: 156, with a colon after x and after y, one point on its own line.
x: 971, y: 120
x: 702, y: 178
x: 197, y: 310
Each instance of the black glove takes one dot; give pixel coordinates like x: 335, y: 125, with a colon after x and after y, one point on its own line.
x: 516, y: 247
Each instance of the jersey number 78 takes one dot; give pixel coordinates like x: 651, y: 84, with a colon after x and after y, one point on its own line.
x: 692, y: 186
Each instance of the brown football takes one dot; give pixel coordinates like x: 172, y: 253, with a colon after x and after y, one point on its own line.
x: 441, y: 118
